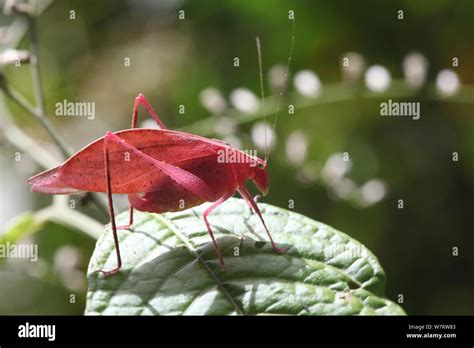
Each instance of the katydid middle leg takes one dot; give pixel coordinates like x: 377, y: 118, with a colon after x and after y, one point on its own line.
x: 130, y: 221
x: 209, y: 229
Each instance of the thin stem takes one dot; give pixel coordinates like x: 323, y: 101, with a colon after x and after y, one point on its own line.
x: 35, y: 70
x: 40, y: 116
x: 27, y: 145
x: 40, y: 110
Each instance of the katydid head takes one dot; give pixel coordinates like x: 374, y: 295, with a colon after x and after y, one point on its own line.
x: 260, y: 177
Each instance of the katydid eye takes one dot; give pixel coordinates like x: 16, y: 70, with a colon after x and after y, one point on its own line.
x: 260, y: 165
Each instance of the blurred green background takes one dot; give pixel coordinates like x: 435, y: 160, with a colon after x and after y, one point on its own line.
x: 335, y: 158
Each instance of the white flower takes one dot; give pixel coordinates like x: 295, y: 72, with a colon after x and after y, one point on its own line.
x: 212, y: 100
x: 335, y: 168
x: 277, y: 77
x: 352, y: 66
x: 244, y: 100
x: 258, y: 135
x: 307, y: 83
x: 447, y: 82
x: 296, y: 147
x: 415, y: 68
x: 344, y: 188
x: 373, y: 191
x: 377, y: 78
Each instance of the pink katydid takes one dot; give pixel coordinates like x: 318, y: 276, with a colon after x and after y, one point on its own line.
x: 158, y: 169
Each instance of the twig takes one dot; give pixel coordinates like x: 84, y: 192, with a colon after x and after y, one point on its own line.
x: 35, y: 70
x: 40, y: 111
x: 23, y: 142
x: 39, y: 115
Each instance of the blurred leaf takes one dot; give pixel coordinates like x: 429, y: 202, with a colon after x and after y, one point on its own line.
x: 170, y: 267
x: 29, y: 223
x: 24, y: 294
x: 21, y: 226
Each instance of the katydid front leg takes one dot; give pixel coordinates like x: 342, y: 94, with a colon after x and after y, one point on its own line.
x: 140, y: 99
x: 248, y: 198
x: 255, y: 198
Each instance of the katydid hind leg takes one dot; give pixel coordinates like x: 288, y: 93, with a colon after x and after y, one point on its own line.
x: 140, y: 99
x: 248, y: 198
x: 111, y: 211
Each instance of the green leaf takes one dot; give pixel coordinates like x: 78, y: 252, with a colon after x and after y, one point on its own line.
x: 170, y: 267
